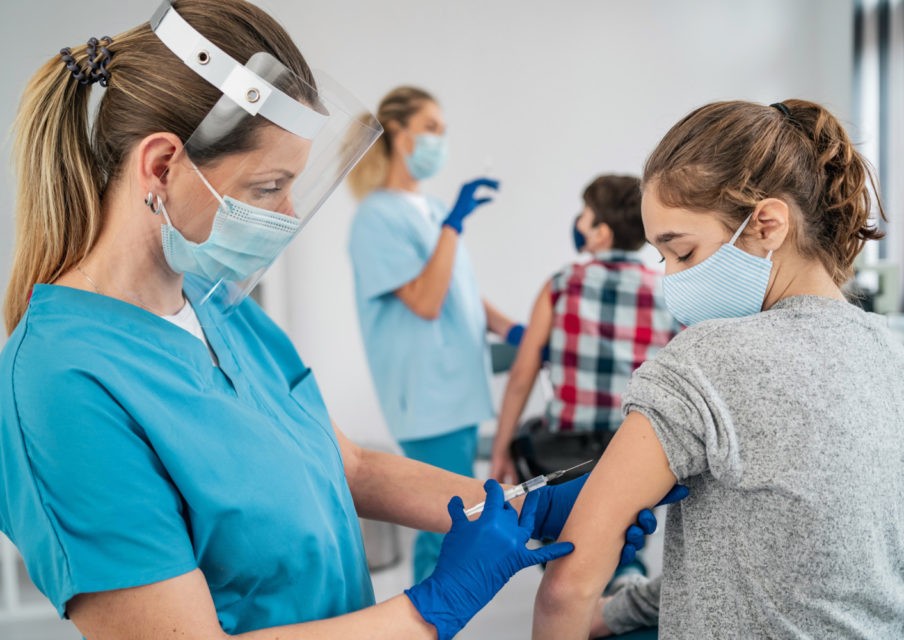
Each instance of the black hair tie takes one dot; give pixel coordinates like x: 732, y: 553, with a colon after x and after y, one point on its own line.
x: 781, y: 107
x: 97, y: 62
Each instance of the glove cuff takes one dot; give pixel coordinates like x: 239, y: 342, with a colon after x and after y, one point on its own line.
x: 455, y: 226
x: 428, y: 597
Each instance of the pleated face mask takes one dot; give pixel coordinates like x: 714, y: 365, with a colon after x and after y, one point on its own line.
x: 731, y: 283
x: 244, y: 239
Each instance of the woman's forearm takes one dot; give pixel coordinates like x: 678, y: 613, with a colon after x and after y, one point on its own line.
x: 182, y: 607
x: 425, y: 295
x: 397, y: 489
x: 396, y: 618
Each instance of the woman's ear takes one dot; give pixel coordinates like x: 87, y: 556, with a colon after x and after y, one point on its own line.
x: 153, y: 159
x: 770, y: 224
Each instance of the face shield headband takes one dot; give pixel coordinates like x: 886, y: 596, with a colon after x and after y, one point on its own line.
x: 303, y: 135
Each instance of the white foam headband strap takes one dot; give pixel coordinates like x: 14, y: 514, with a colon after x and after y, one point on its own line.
x: 244, y: 87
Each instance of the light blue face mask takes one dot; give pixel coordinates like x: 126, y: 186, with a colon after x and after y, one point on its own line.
x: 243, y: 240
x: 731, y: 283
x: 428, y: 157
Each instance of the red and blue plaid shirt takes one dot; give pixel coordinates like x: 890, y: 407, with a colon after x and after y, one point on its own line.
x: 608, y: 317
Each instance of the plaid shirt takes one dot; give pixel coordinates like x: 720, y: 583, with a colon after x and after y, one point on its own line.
x: 608, y: 317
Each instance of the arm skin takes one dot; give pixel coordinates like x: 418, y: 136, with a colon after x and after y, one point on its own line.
x: 425, y: 295
x: 633, y: 474
x: 520, y: 382
x: 183, y: 608
x: 497, y: 322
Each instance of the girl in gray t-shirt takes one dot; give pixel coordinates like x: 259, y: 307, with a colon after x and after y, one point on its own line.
x: 780, y: 405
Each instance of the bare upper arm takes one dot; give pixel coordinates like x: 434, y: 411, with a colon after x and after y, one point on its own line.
x: 180, y: 607
x: 633, y: 474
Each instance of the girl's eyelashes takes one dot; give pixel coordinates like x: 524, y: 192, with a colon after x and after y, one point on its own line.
x: 685, y: 257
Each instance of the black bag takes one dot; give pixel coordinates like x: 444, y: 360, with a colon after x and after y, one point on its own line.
x: 537, y: 451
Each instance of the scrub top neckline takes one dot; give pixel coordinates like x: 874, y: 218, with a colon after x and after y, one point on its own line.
x: 110, y: 310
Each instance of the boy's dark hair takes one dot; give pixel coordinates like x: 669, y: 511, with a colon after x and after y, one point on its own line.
x: 615, y: 200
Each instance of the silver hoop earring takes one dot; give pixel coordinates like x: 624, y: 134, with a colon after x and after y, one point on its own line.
x: 153, y: 203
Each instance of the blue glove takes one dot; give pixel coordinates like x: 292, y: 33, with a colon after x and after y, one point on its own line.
x: 466, y: 202
x: 477, y: 558
x: 513, y: 336
x: 635, y: 536
x: 554, y: 503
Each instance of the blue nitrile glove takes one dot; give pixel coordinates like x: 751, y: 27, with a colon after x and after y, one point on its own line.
x: 555, y: 503
x: 477, y: 558
x: 635, y: 536
x: 513, y: 336
x: 466, y: 202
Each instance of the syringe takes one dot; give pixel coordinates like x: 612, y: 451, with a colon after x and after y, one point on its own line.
x: 526, y: 487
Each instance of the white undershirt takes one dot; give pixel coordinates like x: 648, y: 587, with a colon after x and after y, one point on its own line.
x: 187, y: 319
x: 420, y: 202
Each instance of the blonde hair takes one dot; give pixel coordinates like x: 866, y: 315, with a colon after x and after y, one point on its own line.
x: 726, y: 156
x: 397, y: 106
x: 62, y: 174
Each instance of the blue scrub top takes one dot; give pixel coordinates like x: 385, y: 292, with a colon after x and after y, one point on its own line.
x: 128, y: 458
x: 431, y: 376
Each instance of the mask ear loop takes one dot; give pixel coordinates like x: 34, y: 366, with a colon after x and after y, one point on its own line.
x: 737, y: 234
x: 207, y: 184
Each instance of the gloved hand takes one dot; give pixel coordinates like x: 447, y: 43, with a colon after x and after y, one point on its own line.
x: 514, y: 334
x: 466, y: 202
x: 477, y: 558
x: 635, y: 536
x: 554, y: 503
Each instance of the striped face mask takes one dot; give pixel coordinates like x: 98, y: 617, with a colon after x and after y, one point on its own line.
x: 731, y: 283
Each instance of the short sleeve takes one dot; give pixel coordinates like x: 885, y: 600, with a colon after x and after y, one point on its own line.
x: 97, y: 510
x: 687, y: 412
x: 386, y: 250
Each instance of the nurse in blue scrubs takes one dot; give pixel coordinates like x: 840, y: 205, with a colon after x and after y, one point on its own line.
x: 421, y: 314
x: 167, y: 464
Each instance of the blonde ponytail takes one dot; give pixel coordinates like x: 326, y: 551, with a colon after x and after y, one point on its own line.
x: 58, y: 183
x: 371, y: 170
x: 397, y: 106
x: 62, y: 175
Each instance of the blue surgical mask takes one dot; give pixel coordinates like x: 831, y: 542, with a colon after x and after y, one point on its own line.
x: 731, y: 283
x: 580, y: 240
x: 428, y: 157
x: 243, y: 240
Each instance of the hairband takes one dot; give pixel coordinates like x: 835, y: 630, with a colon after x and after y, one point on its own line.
x: 781, y: 107
x: 97, y: 62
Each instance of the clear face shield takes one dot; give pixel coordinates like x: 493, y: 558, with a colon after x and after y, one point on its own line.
x: 259, y: 165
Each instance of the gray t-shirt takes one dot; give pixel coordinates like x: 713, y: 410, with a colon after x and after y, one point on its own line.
x: 788, y: 427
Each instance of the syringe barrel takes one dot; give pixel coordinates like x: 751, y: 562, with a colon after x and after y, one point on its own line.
x: 534, y: 483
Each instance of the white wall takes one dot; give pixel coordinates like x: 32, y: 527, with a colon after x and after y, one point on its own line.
x: 549, y: 95
x: 544, y: 95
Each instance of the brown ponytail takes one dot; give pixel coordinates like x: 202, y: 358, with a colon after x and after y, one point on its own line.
x: 726, y: 156
x: 62, y: 175
x: 397, y: 106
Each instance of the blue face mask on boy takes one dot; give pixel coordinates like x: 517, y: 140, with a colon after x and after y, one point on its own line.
x: 580, y: 240
x: 243, y: 240
x: 428, y: 157
x: 731, y: 283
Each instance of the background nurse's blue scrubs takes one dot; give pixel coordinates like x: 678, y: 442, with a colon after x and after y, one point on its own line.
x: 421, y: 314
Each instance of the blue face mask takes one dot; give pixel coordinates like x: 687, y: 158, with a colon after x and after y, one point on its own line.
x: 243, y: 240
x: 428, y: 157
x: 729, y: 284
x: 579, y: 238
